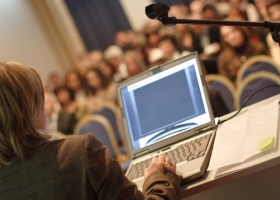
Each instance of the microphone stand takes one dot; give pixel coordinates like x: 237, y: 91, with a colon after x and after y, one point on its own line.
x: 159, y: 11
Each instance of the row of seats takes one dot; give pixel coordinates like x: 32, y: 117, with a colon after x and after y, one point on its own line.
x: 107, y: 127
x: 256, y: 73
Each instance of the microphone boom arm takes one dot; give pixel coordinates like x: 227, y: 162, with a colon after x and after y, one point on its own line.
x: 159, y: 11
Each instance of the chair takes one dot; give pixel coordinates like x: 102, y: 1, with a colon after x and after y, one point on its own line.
x: 225, y: 87
x: 102, y: 130
x: 254, y: 82
x: 256, y: 64
x: 112, y: 114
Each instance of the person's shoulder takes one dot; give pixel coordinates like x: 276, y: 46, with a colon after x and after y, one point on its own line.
x: 73, y: 146
x: 259, y: 48
x: 72, y: 142
x: 79, y: 139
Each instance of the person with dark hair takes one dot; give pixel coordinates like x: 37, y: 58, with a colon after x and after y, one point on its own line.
x: 75, y: 82
x: 78, y: 167
x: 273, y: 11
x: 100, y: 89
x: 169, y: 45
x: 70, y: 111
x: 107, y: 69
x: 135, y: 65
x: 237, y: 48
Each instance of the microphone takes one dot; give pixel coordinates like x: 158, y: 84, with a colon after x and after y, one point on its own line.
x: 159, y: 11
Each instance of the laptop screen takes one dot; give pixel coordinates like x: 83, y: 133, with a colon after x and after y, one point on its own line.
x: 165, y: 104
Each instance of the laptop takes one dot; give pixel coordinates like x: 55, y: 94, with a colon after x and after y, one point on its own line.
x: 166, y: 110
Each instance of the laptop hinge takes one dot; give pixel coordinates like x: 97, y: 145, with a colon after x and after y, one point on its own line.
x: 141, y: 153
x: 207, y: 128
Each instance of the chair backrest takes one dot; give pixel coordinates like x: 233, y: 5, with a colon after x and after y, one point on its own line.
x: 256, y: 64
x: 252, y: 83
x: 225, y: 87
x: 112, y: 114
x: 101, y: 128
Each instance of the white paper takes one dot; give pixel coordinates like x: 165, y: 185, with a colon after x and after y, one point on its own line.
x: 263, y: 124
x: 238, y: 139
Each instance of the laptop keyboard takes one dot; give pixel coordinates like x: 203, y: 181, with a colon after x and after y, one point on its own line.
x: 187, y: 151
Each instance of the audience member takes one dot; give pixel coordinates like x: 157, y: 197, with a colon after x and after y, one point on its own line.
x: 210, y: 12
x: 261, y: 6
x: 79, y: 167
x: 114, y: 55
x: 238, y: 47
x: 139, y: 45
x: 249, y: 9
x: 273, y: 11
x: 107, y: 69
x: 82, y: 67
x: 134, y: 63
x: 168, y: 44
x: 76, y: 83
x: 95, y: 58
x: 100, y: 89
x: 52, y: 110
x: 70, y: 111
x: 123, y: 38
x: 55, y: 80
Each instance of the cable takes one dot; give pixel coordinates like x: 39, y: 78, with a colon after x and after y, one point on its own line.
x: 220, y: 122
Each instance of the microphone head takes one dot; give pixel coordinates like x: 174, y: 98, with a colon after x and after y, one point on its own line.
x: 157, y: 11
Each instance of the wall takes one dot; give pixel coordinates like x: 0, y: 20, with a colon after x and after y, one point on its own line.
x: 24, y: 40
x: 135, y: 11
x: 42, y: 33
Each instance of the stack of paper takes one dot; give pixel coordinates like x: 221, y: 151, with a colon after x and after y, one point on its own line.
x: 243, y: 137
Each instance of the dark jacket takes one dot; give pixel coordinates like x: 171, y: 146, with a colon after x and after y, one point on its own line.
x: 79, y: 167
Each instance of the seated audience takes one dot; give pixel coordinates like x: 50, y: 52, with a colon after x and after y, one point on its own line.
x: 134, y: 63
x: 70, y: 111
x: 100, y: 89
x: 78, y: 167
x: 168, y: 44
x: 248, y: 8
x: 107, y: 69
x: 237, y: 48
x: 114, y: 55
x: 52, y: 110
x: 273, y: 11
x: 95, y: 57
x: 55, y: 80
x: 77, y: 84
x: 139, y: 44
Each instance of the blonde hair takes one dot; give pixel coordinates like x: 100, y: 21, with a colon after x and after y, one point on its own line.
x: 21, y: 102
x: 137, y: 59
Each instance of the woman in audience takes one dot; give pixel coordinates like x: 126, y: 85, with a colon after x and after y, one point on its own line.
x: 238, y: 47
x: 70, y: 111
x: 79, y: 167
x: 107, y: 69
x: 273, y: 11
x: 134, y: 63
x: 76, y: 83
x: 100, y: 90
x: 54, y: 80
x: 139, y: 45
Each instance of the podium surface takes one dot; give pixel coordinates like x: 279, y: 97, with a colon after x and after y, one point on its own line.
x: 259, y: 179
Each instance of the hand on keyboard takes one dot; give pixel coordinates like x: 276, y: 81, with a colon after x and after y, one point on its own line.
x: 158, y: 163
